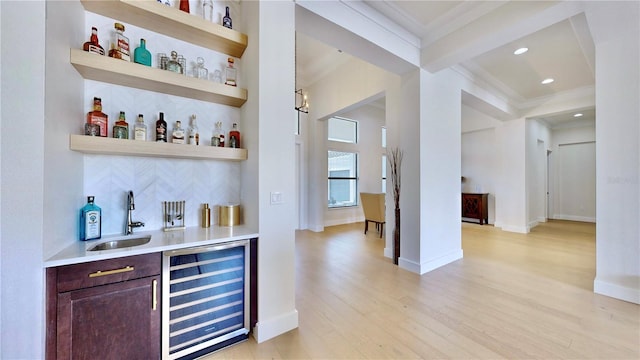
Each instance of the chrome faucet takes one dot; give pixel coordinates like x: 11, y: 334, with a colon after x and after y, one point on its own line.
x: 131, y: 224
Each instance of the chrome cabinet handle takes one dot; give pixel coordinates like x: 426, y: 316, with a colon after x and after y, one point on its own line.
x: 154, y: 301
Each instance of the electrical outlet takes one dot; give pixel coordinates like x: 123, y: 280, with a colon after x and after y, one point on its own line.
x: 276, y: 198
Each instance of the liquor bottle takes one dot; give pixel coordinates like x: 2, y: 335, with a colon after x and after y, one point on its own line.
x: 120, y: 44
x: 93, y: 46
x: 140, y: 129
x: 121, y: 127
x: 141, y: 55
x: 90, y: 221
x: 194, y: 135
x: 234, y: 137
x: 184, y: 5
x: 177, y: 136
x: 207, y: 10
x: 173, y: 65
x: 226, y: 20
x: 161, y: 129
x: 98, y: 117
x: 218, y: 137
x: 231, y: 73
x: 200, y: 71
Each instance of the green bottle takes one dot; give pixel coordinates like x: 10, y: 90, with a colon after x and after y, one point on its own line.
x: 141, y: 55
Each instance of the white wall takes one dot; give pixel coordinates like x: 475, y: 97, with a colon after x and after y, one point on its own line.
x: 22, y: 192
x: 370, y: 122
x: 616, y: 33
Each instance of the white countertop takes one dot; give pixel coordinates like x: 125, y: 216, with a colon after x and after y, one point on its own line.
x: 160, y: 241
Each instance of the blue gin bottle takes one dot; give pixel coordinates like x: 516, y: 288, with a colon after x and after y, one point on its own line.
x: 90, y: 221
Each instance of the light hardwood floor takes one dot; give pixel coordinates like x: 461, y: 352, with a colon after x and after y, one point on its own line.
x: 513, y: 296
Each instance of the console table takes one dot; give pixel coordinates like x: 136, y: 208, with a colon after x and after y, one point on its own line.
x: 474, y: 206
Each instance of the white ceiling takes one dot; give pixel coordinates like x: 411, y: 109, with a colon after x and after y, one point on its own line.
x: 561, y: 49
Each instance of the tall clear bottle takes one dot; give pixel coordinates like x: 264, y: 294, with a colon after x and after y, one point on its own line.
x: 161, y: 129
x: 231, y: 73
x: 120, y: 44
x: 140, y: 129
x: 194, y: 134
x: 90, y: 221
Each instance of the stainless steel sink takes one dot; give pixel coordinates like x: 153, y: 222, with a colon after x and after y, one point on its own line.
x: 123, y: 243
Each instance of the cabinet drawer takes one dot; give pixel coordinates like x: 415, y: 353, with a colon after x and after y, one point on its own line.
x: 78, y: 276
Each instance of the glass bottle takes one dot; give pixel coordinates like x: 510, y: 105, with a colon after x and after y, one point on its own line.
x: 161, y: 129
x: 217, y: 77
x: 230, y: 73
x: 120, y: 44
x: 194, y: 135
x: 177, y: 136
x: 121, y: 127
x: 90, y: 220
x: 173, y: 65
x: 98, y: 117
x: 201, y: 72
x: 184, y: 5
x: 93, y: 46
x: 226, y: 20
x: 234, y: 137
x: 218, y: 137
x: 140, y: 129
x: 141, y: 55
x: 207, y: 10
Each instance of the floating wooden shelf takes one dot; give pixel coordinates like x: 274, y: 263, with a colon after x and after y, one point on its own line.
x: 111, y: 146
x: 172, y: 22
x: 125, y: 73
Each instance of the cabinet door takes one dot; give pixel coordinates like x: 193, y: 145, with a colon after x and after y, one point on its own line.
x: 471, y: 206
x: 115, y: 321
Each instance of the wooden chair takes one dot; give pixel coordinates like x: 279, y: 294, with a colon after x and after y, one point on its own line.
x: 373, y: 208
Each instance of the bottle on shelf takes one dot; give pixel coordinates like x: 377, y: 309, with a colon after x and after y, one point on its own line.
x: 207, y: 10
x: 177, y: 136
x: 140, y: 129
x: 141, y: 55
x: 161, y: 129
x: 194, y: 135
x: 121, y: 127
x: 184, y: 5
x: 217, y: 139
x: 173, y: 65
x: 90, y: 221
x: 200, y: 71
x: 99, y: 118
x: 120, y: 44
x: 234, y: 137
x: 226, y: 20
x: 93, y: 46
x: 206, y: 216
x: 230, y: 73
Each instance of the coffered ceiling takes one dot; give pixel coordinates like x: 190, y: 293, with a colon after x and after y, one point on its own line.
x: 479, y: 37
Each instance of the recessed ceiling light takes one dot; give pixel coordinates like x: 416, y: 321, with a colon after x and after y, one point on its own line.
x: 547, y: 81
x: 521, y: 51
x: 577, y: 115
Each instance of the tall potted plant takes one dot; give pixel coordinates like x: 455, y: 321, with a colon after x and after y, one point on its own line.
x: 394, y: 157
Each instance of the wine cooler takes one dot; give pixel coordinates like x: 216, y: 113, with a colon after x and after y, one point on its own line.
x: 205, y: 298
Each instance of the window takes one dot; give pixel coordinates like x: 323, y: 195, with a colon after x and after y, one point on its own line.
x: 384, y: 137
x: 343, y: 130
x: 343, y: 179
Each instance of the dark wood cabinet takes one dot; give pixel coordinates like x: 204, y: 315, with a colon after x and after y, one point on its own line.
x: 474, y: 206
x: 106, y: 309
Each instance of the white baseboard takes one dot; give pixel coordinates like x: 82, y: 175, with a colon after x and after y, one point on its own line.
x: 431, y: 264
x: 516, y: 229
x: 279, y: 325
x: 616, y: 291
x: 388, y: 252
x: 342, y: 221
x: 316, y: 228
x: 574, y: 218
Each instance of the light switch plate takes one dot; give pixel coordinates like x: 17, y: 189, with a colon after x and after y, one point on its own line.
x: 276, y: 198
